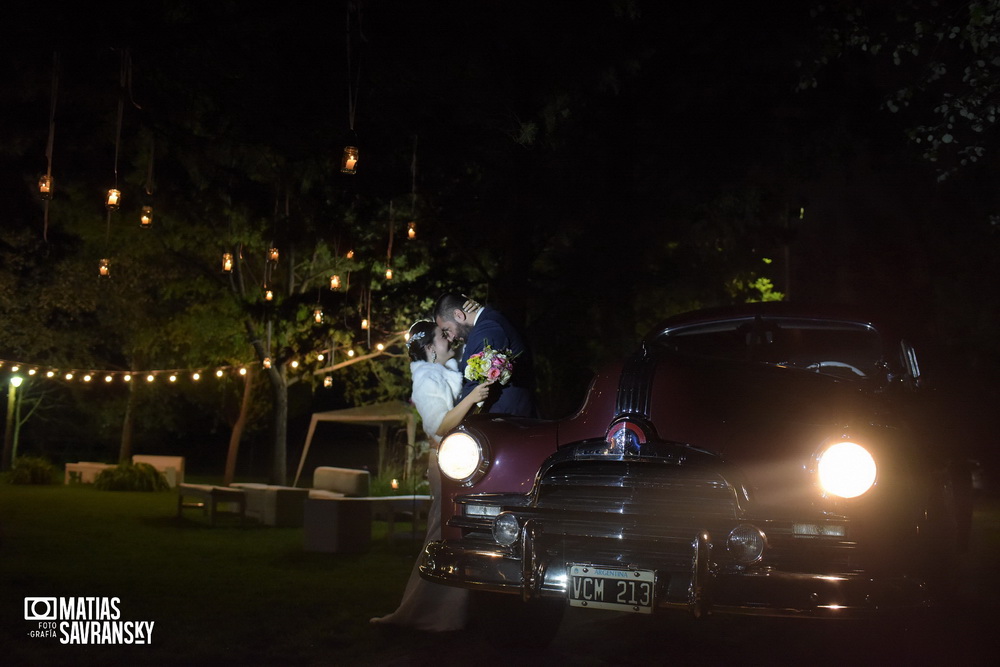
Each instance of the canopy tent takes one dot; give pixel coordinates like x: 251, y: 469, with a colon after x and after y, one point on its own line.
x: 382, y: 415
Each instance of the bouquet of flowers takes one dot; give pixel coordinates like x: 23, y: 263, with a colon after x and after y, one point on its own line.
x: 490, y: 364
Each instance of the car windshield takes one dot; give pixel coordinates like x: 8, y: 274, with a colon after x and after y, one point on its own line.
x: 847, y: 349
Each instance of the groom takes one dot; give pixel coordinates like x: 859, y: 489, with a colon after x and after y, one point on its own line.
x: 480, y: 325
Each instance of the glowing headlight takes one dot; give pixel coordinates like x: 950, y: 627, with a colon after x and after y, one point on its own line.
x: 459, y: 456
x: 846, y: 470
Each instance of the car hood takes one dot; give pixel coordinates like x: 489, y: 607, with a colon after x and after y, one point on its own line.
x: 735, y: 410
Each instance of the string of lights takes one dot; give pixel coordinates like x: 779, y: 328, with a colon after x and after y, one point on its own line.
x: 172, y: 375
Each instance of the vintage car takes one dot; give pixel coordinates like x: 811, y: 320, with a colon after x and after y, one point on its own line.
x: 760, y: 459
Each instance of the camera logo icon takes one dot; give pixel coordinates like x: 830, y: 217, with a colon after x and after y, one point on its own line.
x: 40, y: 609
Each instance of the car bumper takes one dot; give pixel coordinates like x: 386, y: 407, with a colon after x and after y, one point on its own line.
x: 691, y: 583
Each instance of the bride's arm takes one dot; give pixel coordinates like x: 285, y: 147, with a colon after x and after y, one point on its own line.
x: 455, y: 416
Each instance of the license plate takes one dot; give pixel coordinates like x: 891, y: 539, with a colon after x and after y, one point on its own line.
x: 611, y: 588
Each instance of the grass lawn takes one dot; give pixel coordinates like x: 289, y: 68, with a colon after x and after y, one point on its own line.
x: 231, y: 594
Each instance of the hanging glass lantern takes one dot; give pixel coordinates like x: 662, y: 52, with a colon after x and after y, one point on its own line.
x: 227, y: 262
x: 318, y: 315
x: 146, y: 219
x: 266, y: 363
x: 334, y: 282
x: 268, y: 293
x: 350, y: 254
x: 114, y: 199
x: 349, y: 161
x: 364, y: 323
x: 388, y: 273
x: 272, y: 254
x: 328, y: 381
x: 411, y: 230
x: 104, y: 268
x: 45, y: 187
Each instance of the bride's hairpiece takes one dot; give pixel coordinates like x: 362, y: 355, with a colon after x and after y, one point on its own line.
x: 417, y: 338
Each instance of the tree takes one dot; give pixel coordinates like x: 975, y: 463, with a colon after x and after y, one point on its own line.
x: 946, y: 57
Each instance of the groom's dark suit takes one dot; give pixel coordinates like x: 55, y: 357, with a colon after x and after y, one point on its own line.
x: 516, y: 397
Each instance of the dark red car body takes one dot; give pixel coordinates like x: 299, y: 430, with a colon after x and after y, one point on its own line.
x: 693, y: 466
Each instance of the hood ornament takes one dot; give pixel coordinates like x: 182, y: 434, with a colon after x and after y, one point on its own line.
x: 625, y: 438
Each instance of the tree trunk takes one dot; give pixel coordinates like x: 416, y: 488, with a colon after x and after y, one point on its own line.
x: 279, y: 426
x: 128, y: 427
x: 237, y: 432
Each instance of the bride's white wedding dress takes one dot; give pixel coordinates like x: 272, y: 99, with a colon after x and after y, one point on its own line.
x: 428, y: 606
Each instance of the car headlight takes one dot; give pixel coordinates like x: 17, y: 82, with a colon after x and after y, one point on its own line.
x: 460, y: 456
x: 846, y: 469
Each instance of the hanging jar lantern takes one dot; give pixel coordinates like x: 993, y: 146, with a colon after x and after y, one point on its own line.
x: 364, y: 323
x: 104, y: 268
x: 227, y: 262
x: 328, y: 381
x: 349, y: 161
x: 350, y: 254
x: 411, y: 230
x: 388, y: 273
x: 268, y: 293
x: 318, y: 315
x: 45, y: 187
x: 272, y: 254
x: 267, y: 362
x: 335, y: 282
x: 146, y: 218
x: 114, y: 199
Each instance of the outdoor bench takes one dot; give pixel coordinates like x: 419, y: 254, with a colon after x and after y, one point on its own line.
x: 210, y: 498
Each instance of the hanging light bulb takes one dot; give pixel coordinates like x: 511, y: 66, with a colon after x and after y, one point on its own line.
x: 349, y: 161
x: 243, y: 370
x: 114, y: 199
x: 127, y: 377
x: 272, y: 254
x: 227, y: 262
x: 68, y: 376
x: 196, y: 376
x: 45, y: 187
x: 411, y: 230
x: 88, y: 377
x: 104, y: 268
x: 146, y: 218
x: 318, y: 315
x: 108, y: 378
x: 334, y: 282
x: 150, y: 377
x: 294, y: 363
x: 350, y: 353
x: 380, y: 347
x: 218, y: 373
x: 172, y: 378
x: 364, y: 323
x: 388, y: 273
x: 320, y: 356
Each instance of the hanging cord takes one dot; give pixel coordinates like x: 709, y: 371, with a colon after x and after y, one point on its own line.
x: 388, y: 253
x: 52, y: 137
x: 352, y: 87
x: 149, y: 172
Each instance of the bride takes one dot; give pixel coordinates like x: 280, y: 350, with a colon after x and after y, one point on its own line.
x: 436, y: 385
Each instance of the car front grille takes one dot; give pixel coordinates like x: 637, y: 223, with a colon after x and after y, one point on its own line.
x: 695, y: 495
